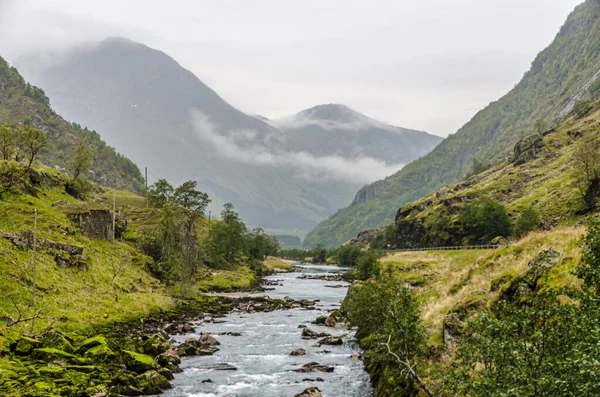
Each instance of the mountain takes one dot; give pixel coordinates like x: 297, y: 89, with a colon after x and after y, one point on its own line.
x: 164, y: 117
x: 560, y: 77
x: 336, y: 129
x: 22, y: 103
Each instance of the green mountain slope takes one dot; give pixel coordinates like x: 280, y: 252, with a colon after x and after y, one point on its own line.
x: 20, y: 102
x: 561, y: 75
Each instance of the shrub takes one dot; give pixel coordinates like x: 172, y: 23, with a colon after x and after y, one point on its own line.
x: 527, y: 222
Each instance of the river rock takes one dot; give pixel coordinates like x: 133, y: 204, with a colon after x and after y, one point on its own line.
x: 314, y: 367
x: 331, y: 340
x: 313, y: 380
x: 168, y: 358
x: 139, y: 363
x: 207, y: 339
x: 307, y: 333
x: 356, y: 356
x: 298, y: 352
x: 330, y: 322
x: 206, y: 350
x: 221, y: 367
x: 152, y: 382
x: 310, y: 392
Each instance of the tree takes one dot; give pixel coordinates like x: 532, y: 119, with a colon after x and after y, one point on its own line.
x: 347, y: 255
x: 319, y: 254
x: 7, y: 142
x: 34, y: 141
x: 83, y: 159
x: 481, y: 222
x: 261, y: 245
x: 188, y: 197
x: 528, y: 221
x: 388, y: 319
x: 587, y: 170
x: 227, y: 243
x: 367, y: 264
x: 160, y: 193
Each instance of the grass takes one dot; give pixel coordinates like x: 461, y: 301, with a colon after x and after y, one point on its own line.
x: 276, y: 264
x: 451, y: 279
x: 240, y: 278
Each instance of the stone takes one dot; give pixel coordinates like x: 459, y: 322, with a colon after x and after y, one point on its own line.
x: 307, y: 333
x: 151, y: 382
x: 330, y: 322
x: 314, y: 367
x: 138, y: 362
x: 100, y: 353
x: 356, y: 356
x: 298, y: 352
x: 56, y: 340
x: 310, y: 392
x: 222, y: 367
x: 331, y: 340
x: 25, y: 345
x: 527, y: 149
x: 206, y: 350
x: 208, y: 340
x: 170, y: 357
x: 50, y: 354
x: 156, y: 345
x: 97, y: 224
x: 91, y: 342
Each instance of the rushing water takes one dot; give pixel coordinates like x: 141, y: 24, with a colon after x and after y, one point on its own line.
x: 262, y: 353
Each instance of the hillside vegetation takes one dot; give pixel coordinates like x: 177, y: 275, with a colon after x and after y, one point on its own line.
x: 559, y: 77
x: 24, y: 104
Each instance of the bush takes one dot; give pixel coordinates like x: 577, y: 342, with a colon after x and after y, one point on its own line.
x: 367, y: 264
x: 527, y: 222
x: 79, y: 188
x: 482, y: 222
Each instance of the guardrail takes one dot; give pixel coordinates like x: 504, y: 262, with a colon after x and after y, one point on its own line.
x: 451, y: 248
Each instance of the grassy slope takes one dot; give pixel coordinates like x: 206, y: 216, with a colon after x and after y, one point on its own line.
x: 116, y: 285
x: 19, y: 105
x: 447, y: 280
x: 547, y: 183
x: 557, y: 74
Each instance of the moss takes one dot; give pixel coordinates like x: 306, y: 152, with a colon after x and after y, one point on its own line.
x: 50, y: 354
x: 100, y: 353
x: 25, y: 346
x: 138, y: 362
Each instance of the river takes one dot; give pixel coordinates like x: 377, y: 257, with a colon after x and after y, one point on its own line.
x: 262, y: 353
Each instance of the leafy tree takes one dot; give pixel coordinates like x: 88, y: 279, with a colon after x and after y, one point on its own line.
x: 188, y: 197
x: 34, y: 141
x: 319, y: 254
x: 482, y: 222
x: 7, y: 142
x: 227, y: 242
x: 382, y: 239
x: 346, y: 255
x: 160, y: 193
x: 367, y: 263
x: 528, y: 220
x: 587, y: 170
x: 388, y: 320
x: 261, y: 245
x: 83, y: 159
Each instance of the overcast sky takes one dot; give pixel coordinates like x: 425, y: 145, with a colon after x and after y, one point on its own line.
x: 426, y: 64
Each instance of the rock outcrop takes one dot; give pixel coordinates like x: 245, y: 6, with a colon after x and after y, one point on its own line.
x: 310, y: 392
x: 527, y: 149
x: 97, y: 224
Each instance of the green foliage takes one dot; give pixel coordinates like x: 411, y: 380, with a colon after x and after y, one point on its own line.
x: 227, y: 241
x: 548, y: 349
x: 7, y: 142
x: 368, y: 264
x: 188, y: 197
x: 13, y: 177
x: 482, y: 222
x: 587, y: 170
x: 80, y: 188
x: 581, y: 109
x: 382, y: 239
x: 319, y: 254
x: 83, y: 159
x: 388, y: 319
x: 261, y: 245
x: 528, y: 221
x: 346, y: 255
x: 477, y: 167
x: 160, y: 193
x: 589, y: 268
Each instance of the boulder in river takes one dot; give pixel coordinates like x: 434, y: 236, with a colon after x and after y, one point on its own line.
x: 307, y: 333
x: 356, y: 356
x: 314, y: 367
x: 207, y: 339
x: 221, y: 367
x: 310, y: 392
x: 298, y: 352
x: 331, y: 340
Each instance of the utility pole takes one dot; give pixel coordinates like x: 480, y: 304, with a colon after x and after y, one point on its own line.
x: 146, y: 170
x: 114, y: 208
x: 34, y: 254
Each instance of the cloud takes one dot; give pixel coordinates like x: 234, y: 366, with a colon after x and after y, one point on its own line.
x: 305, y: 165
